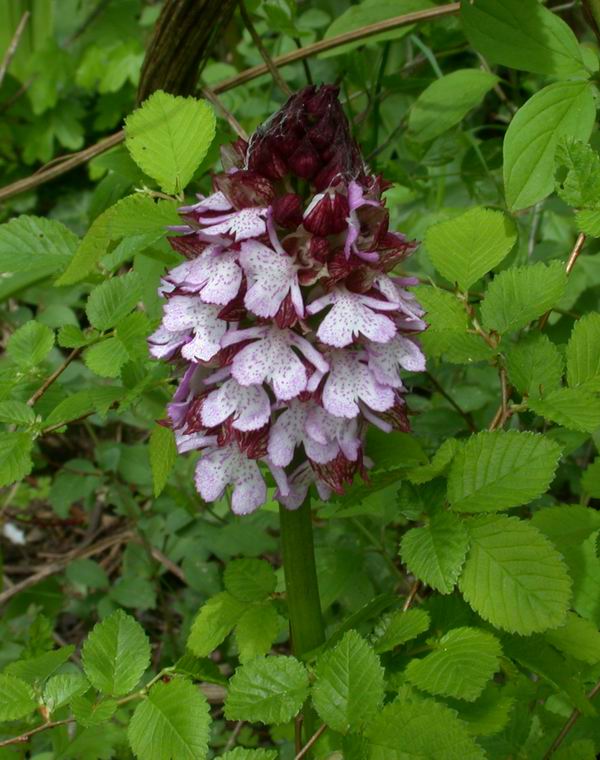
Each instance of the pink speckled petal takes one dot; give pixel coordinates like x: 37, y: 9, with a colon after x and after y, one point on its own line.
x: 325, y: 429
x: 351, y: 317
x: 287, y: 432
x: 191, y: 313
x: 270, y: 277
x: 250, y: 406
x: 215, y: 275
x: 385, y: 360
x: 164, y: 343
x: 215, y: 202
x: 350, y: 380
x: 244, y: 224
x: 220, y: 467
x: 193, y: 441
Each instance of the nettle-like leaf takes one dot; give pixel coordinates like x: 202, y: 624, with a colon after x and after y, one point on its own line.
x: 572, y: 408
x: 30, y: 344
x: 436, y: 552
x: 256, y: 630
x: 489, y: 713
x: 16, y: 413
x: 577, y: 638
x: 580, y: 164
x: 522, y: 34
x: 398, y: 628
x: 17, y: 698
x: 113, y: 300
x: 461, y: 664
x: 15, y: 457
x: 558, y: 110
x: 438, y: 465
x: 590, y: 480
x: 467, y: 247
x: 163, y: 454
x: 35, y: 670
x: 172, y: 722
x: 60, y: 689
x: 97, y: 400
x: 249, y: 580
x: 90, y: 712
x: 168, y: 137
x: 588, y: 221
x: 513, y: 576
x: 446, y: 101
x: 28, y: 243
x: 501, y: 469
x: 521, y: 294
x: 116, y: 654
x: 267, y: 690
x: 583, y: 353
x: 534, y: 365
x: 349, y: 684
x: 216, y: 619
x: 412, y: 730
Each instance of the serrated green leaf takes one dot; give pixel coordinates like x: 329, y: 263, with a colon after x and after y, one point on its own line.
x: 461, y: 664
x: 116, y: 654
x: 256, y: 630
x: 438, y: 465
x: 577, y: 638
x: 572, y: 408
x: 199, y: 669
x: 163, y: 454
x: 83, y: 403
x: 534, y: 365
x: 267, y: 690
x: 465, y: 248
x: 583, y: 353
x: 249, y: 580
x: 590, y: 481
x: 70, y: 336
x: 172, y: 722
x: 15, y: 457
x: 446, y: 101
x: 580, y: 185
x: 501, y: 469
x: 588, y: 221
x: 563, y: 109
x: 214, y: 622
x: 398, y: 628
x: 30, y: 242
x: 113, y: 300
x: 88, y: 712
x: 488, y: 714
x: 16, y: 413
x: 420, y: 729
x: 349, y: 684
x: 35, y: 670
x: 106, y: 359
x: 17, y: 698
x: 60, y: 689
x: 30, y: 344
x: 521, y: 294
x: 566, y: 526
x: 522, y: 34
x: 435, y: 553
x: 168, y: 137
x: 513, y: 577
x: 240, y: 753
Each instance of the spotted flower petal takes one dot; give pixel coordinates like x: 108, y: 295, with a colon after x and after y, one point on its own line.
x: 385, y: 360
x: 240, y: 225
x: 333, y: 432
x: 249, y: 405
x: 164, y: 343
x: 220, y: 467
x: 271, y: 276
x: 214, y: 275
x: 191, y: 313
x: 348, y: 381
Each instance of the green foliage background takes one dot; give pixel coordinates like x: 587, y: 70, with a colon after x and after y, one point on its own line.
x: 461, y: 585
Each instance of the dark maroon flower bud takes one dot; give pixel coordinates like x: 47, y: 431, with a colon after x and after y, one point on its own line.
x: 327, y: 214
x: 189, y: 246
x: 338, y: 472
x: 245, y: 189
x: 393, y: 248
x: 264, y: 160
x: 287, y: 211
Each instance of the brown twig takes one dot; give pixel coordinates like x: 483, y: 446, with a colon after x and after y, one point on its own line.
x: 466, y: 417
x: 24, y: 738
x: 225, y: 112
x: 569, y: 724
x: 311, y: 742
x: 411, y: 596
x: 503, y: 412
x: 76, y: 159
x: 54, y: 376
x: 573, y: 256
x: 274, y: 71
x: 13, y: 45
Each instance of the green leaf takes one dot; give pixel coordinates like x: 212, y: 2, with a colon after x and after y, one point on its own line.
x: 370, y: 12
x: 267, y: 690
x: 17, y: 698
x: 60, y: 689
x: 522, y: 34
x: 172, y: 722
x: 577, y: 638
x: 462, y: 663
x: 583, y: 353
x: 521, y: 294
x: 501, y: 469
x: 116, y: 654
x: 256, y: 630
x: 465, y: 248
x: 240, y: 753
x: 70, y: 336
x: 30, y: 242
x: 16, y: 413
x: 168, y: 137
x: 446, y: 101
x: 249, y: 580
x: 534, y: 365
x: 92, y: 713
x: 15, y: 457
x: 37, y: 669
x: 82, y: 403
x: 580, y: 164
x: 107, y: 358
x: 590, y: 481
x: 418, y: 729
x: 131, y: 216
x: 489, y: 713
x: 438, y: 465
x: 163, y: 454
x: 572, y: 408
x: 563, y: 109
x: 113, y: 300
x: 588, y: 221
x: 30, y: 344
x: 398, y: 628
x: 513, y: 577
x: 349, y: 684
x: 436, y: 553
x: 214, y: 622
